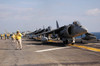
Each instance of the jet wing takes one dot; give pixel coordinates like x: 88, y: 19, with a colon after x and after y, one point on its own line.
x: 56, y: 31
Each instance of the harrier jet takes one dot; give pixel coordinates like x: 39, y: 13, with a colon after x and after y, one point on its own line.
x: 66, y: 33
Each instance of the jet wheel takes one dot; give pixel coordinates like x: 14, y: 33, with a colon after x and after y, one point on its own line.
x: 65, y: 43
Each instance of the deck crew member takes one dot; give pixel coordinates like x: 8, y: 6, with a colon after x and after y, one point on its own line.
x: 13, y: 37
x: 8, y: 35
x: 19, y: 40
x: 1, y: 36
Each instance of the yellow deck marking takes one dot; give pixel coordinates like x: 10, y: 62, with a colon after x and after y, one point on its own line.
x: 80, y: 46
x: 51, y: 41
x: 85, y: 47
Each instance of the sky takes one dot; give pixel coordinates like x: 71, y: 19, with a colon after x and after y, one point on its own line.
x: 29, y: 15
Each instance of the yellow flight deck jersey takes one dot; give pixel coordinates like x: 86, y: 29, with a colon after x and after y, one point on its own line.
x: 2, y: 35
x: 13, y: 36
x: 18, y: 36
x: 8, y: 34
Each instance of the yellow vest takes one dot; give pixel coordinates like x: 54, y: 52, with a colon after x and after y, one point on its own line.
x: 8, y: 34
x: 2, y: 35
x: 13, y: 36
x: 18, y: 36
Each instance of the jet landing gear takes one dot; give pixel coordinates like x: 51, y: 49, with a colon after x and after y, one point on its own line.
x: 73, y: 41
x: 65, y: 43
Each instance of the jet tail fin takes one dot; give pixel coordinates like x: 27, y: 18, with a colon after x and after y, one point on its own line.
x: 57, y: 24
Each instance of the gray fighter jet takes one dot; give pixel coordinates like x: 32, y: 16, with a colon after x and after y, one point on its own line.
x: 66, y: 33
x: 36, y: 34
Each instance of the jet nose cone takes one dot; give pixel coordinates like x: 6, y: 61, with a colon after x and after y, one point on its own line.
x: 77, y: 31
x: 84, y: 30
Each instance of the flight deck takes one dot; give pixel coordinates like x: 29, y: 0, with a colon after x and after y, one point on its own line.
x: 34, y: 53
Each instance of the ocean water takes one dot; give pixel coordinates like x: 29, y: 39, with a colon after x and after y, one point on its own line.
x: 97, y: 34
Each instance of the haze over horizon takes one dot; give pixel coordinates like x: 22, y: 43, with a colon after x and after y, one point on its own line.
x: 29, y: 15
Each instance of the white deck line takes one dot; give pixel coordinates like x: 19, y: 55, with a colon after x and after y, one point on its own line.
x: 51, y: 49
